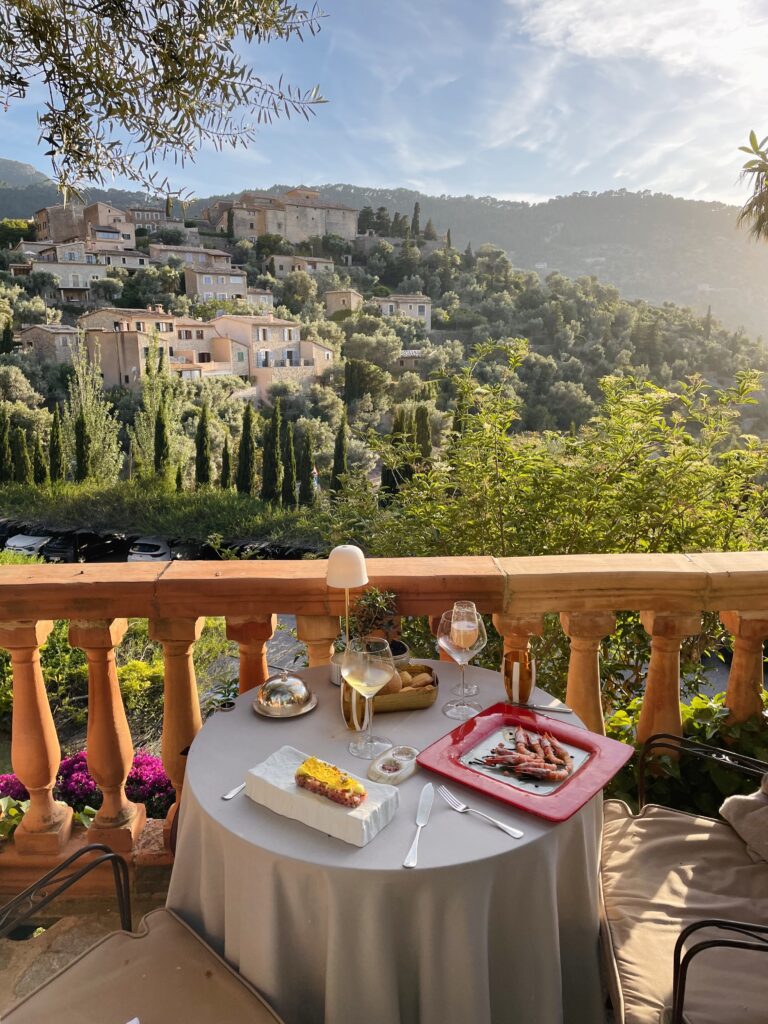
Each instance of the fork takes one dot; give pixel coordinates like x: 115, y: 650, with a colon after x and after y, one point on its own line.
x: 457, y: 805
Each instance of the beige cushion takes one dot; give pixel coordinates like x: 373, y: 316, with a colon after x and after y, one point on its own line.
x: 661, y: 871
x: 162, y: 975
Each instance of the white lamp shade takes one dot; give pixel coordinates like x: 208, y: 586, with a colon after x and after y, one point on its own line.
x: 346, y: 568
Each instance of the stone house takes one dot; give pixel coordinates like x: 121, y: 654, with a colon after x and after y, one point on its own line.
x: 225, y: 285
x: 409, y: 359
x: 149, y: 217
x: 100, y: 225
x: 60, y: 223
x: 418, y: 307
x: 191, y: 256
x: 72, y: 266
x: 52, y: 343
x: 129, y: 259
x: 273, y: 350
x: 285, y: 265
x: 296, y: 215
x: 342, y: 299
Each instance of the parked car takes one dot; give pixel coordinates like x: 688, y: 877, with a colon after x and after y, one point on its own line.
x: 150, y: 549
x: 8, y: 528
x: 23, y: 544
x: 86, y: 546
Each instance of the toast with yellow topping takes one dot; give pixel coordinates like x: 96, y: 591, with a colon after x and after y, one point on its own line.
x: 329, y: 781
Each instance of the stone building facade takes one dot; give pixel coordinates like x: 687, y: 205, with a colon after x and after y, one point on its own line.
x: 296, y: 215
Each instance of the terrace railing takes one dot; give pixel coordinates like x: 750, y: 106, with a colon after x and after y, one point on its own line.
x: 669, y: 591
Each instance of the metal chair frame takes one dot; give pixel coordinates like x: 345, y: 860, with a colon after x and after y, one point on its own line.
x: 42, y: 892
x: 752, y: 936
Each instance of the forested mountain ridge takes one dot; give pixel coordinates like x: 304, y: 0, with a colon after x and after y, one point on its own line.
x: 650, y: 246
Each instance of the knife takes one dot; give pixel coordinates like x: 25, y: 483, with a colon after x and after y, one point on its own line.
x: 559, y: 709
x: 422, y: 817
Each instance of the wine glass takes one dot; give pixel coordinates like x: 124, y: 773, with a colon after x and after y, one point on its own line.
x: 367, y: 667
x: 467, y: 610
x: 462, y: 634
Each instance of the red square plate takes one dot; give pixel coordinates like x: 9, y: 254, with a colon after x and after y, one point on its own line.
x: 596, y: 760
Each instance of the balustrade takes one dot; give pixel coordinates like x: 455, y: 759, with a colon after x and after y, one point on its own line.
x: 586, y: 591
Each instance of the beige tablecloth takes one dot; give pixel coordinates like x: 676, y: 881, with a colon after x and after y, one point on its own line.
x: 487, y: 929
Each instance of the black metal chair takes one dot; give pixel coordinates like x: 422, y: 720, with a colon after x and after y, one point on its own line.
x: 163, y: 972
x: 642, y: 891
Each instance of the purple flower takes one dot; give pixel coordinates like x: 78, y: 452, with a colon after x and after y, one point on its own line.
x: 10, y: 786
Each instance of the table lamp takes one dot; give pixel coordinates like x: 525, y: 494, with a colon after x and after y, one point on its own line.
x: 346, y: 570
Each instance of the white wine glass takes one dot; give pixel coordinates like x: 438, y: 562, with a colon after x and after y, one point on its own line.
x: 461, y: 634
x: 465, y: 609
x: 367, y: 667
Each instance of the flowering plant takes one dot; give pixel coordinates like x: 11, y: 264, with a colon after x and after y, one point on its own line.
x: 147, y: 783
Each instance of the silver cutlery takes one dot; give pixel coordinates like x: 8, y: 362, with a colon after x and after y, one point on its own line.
x: 233, y: 792
x: 457, y: 805
x: 422, y: 817
x: 559, y: 709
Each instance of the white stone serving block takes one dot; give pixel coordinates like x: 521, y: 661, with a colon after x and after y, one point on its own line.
x: 272, y: 784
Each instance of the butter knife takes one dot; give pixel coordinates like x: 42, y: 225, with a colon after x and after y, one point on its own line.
x: 422, y: 817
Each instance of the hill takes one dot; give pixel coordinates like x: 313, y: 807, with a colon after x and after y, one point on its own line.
x: 650, y: 246
x: 18, y: 175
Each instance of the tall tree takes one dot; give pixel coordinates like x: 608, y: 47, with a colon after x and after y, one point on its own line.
x: 54, y: 448
x: 6, y: 457
x: 230, y: 223
x: 288, y: 456
x: 225, y: 480
x: 203, y: 449
x: 272, y: 463
x: 365, y: 220
x: 429, y: 231
x: 423, y: 431
x: 340, y: 468
x: 115, y: 101
x: 22, y: 466
x: 157, y: 389
x: 39, y: 467
x: 448, y: 243
x: 754, y: 213
x: 415, y: 227
x: 246, y: 456
x: 306, y: 477
x: 382, y: 223
x: 162, y: 444
x: 6, y: 339
x: 86, y: 397
x: 82, y: 448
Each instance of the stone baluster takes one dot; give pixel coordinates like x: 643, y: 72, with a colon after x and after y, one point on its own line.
x: 516, y: 631
x: 252, y: 635
x: 585, y: 631
x: 661, y: 702
x: 744, y: 697
x: 35, y: 750
x: 181, y: 710
x: 118, y: 822
x: 318, y: 632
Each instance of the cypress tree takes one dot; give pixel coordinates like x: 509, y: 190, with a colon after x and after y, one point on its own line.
x: 6, y: 339
x: 415, y: 229
x: 82, y: 449
x: 448, y: 239
x: 22, y: 466
x: 203, y: 449
x: 306, y: 462
x: 54, y: 449
x: 39, y: 467
x: 423, y: 431
x: 6, y: 459
x: 179, y: 479
x: 272, y: 465
x: 162, y: 443
x: 225, y: 480
x: 230, y: 223
x: 339, y: 456
x: 288, y: 455
x: 429, y: 231
x: 246, y: 465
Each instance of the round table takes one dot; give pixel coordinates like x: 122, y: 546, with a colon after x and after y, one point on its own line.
x: 487, y: 929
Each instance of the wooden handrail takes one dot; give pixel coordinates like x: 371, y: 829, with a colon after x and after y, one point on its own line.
x: 669, y: 591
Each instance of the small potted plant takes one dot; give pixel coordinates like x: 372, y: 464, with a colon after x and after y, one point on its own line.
x: 375, y: 614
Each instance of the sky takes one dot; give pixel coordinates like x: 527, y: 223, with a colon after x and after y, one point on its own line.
x: 519, y: 99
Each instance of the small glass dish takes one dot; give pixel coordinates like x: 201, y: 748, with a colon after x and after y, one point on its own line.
x: 394, y: 765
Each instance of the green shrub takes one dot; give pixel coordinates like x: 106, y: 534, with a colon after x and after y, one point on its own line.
x: 690, y: 783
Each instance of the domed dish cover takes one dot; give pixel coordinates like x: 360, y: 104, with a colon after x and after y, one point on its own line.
x: 284, y: 695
